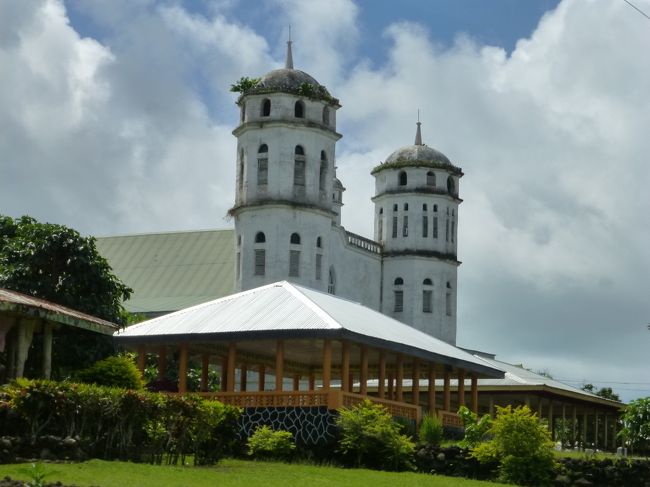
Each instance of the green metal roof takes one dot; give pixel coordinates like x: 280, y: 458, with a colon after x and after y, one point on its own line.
x: 171, y: 271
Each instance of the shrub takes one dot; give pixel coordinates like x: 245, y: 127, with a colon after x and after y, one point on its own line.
x: 370, y: 438
x: 475, y: 430
x: 116, y: 371
x: 636, y: 424
x: 266, y: 444
x: 521, y: 444
x: 431, y: 431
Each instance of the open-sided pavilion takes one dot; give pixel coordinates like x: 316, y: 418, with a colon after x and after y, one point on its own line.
x: 284, y: 345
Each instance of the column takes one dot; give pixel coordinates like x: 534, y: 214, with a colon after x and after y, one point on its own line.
x: 230, y: 367
x: 182, y: 369
x: 415, y: 387
x: 345, y: 366
x: 363, y: 374
x: 431, y: 393
x: 399, y: 379
x: 279, y: 365
x: 312, y: 380
x: 574, y: 427
x: 446, y: 392
x: 205, y: 371
x: 596, y: 430
x: 224, y: 373
x: 261, y: 378
x: 162, y: 362
x: 381, y: 385
x: 606, y: 446
x: 474, y: 393
x: 614, y: 425
x: 243, y: 377
x: 584, y: 429
x: 25, y: 331
x: 47, y: 349
x: 461, y: 387
x: 296, y: 382
x: 550, y: 419
x: 391, y: 386
x: 327, y: 364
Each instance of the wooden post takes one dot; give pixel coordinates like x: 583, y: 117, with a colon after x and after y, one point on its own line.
x: 474, y: 393
x: 446, y: 392
x: 230, y: 367
x: 432, y: 388
x: 550, y: 418
x: 162, y: 362
x: 296, y: 382
x: 584, y: 429
x: 224, y: 373
x: 345, y: 366
x: 363, y: 374
x: 205, y: 369
x: 391, y: 386
x: 399, y: 386
x: 415, y: 383
x: 614, y: 425
x: 327, y: 364
x: 312, y: 380
x: 261, y: 378
x: 605, y: 433
x: 243, y: 377
x: 381, y: 386
x: 279, y: 365
x: 47, y: 350
x: 574, y: 435
x: 182, y: 369
x: 141, y: 359
x: 595, y: 430
x: 461, y: 387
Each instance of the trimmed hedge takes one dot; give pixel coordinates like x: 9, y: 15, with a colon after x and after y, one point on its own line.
x: 52, y: 420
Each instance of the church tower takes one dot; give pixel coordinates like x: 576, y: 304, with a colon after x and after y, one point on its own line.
x: 287, y: 195
x: 416, y: 221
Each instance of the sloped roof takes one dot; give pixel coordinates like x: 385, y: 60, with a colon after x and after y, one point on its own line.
x: 173, y: 270
x: 23, y: 305
x: 285, y: 310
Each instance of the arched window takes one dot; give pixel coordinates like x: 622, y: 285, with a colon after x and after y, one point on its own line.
x: 398, y: 281
x: 405, y: 226
x: 262, y: 165
x: 401, y: 178
x: 319, y: 266
x: 322, y: 178
x: 448, y: 309
x: 294, y: 263
x: 451, y: 187
x: 427, y: 282
x: 398, y: 296
x: 295, y: 239
x: 331, y: 282
x: 266, y: 107
x: 319, y: 242
x: 381, y: 211
x: 260, y: 262
x: 427, y: 296
x: 395, y: 207
x: 241, y: 172
x: 406, y: 207
x: 435, y: 207
x: 299, y: 109
x: 431, y: 178
x: 260, y: 237
x: 424, y: 207
x: 242, y: 113
x: 326, y: 116
x: 238, y: 240
x: 299, y: 167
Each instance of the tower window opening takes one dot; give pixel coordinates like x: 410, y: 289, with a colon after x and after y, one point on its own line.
x: 262, y: 171
x: 447, y: 230
x: 381, y: 211
x: 242, y: 113
x: 448, y: 300
x: 262, y: 149
x: 425, y: 226
x: 299, y: 109
x: 238, y: 240
x: 299, y: 151
x: 260, y: 237
x: 241, y: 172
x: 322, y: 178
x: 394, y: 234
x: 380, y: 228
x: 326, y: 116
x: 319, y: 266
x: 266, y: 107
x: 238, y: 266
x: 401, y: 178
x: 319, y: 242
x: 331, y: 282
x: 294, y: 263
x: 295, y: 239
x: 395, y: 207
x: 405, y: 227
x: 260, y: 262
x: 424, y: 207
x: 398, y: 281
x: 399, y: 301
x: 431, y: 179
x: 299, y: 167
x: 435, y: 208
x: 427, y: 301
x: 427, y: 282
x: 406, y: 207
x: 435, y: 227
x: 451, y: 187
x: 453, y: 229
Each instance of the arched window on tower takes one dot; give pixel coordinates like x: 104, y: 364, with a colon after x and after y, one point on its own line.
x: 299, y: 167
x: 322, y: 177
x: 431, y: 179
x: 295, y: 239
x: 326, y: 116
x: 260, y: 237
x: 427, y: 296
x: 319, y: 242
x: 263, y: 165
x: 434, y: 230
x: 401, y: 178
x: 242, y: 113
x: 319, y: 259
x: 299, y: 109
x: 260, y: 255
x: 453, y: 225
x: 266, y: 107
x: 294, y: 256
x: 448, y: 299
x: 331, y: 282
x: 398, y: 295
x: 451, y: 187
x: 380, y: 225
x: 240, y: 173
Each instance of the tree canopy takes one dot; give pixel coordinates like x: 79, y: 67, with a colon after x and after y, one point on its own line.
x: 636, y: 424
x: 56, y: 263
x: 605, y: 392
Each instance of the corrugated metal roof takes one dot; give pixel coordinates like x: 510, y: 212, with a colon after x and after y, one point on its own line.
x: 23, y: 304
x: 174, y: 270
x: 298, y: 310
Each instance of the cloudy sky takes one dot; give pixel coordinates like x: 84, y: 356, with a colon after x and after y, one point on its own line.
x: 115, y: 117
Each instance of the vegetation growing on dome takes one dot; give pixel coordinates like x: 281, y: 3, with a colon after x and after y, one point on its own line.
x: 247, y: 86
x: 244, y: 84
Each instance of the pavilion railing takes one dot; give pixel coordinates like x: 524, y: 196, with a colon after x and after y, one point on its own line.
x: 448, y: 418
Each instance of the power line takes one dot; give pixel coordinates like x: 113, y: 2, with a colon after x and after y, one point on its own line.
x: 585, y: 381
x: 637, y: 9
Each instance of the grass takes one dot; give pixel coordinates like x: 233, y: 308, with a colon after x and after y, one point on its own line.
x: 230, y: 473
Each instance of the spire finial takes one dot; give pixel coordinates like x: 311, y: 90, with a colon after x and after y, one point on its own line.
x: 289, y: 63
x: 418, y: 132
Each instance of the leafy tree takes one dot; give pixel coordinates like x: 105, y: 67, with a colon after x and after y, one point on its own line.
x: 605, y: 392
x: 475, y: 429
x: 114, y: 371
x: 636, y: 424
x: 244, y: 84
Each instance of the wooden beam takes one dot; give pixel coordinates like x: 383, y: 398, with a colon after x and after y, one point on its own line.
x: 345, y: 366
x: 162, y: 362
x: 279, y: 365
x: 230, y: 367
x: 381, y: 386
x: 327, y: 364
x: 224, y: 373
x: 243, y: 377
x: 432, y: 388
x: 415, y: 385
x: 446, y: 392
x: 461, y: 387
x: 474, y: 393
x: 363, y: 374
x: 312, y: 380
x: 182, y: 368
x: 205, y: 370
x: 399, y: 386
x: 261, y: 378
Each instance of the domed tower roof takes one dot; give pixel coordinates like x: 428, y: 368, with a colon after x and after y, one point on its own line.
x: 418, y: 155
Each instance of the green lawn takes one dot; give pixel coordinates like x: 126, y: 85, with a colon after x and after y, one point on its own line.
x: 232, y: 473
